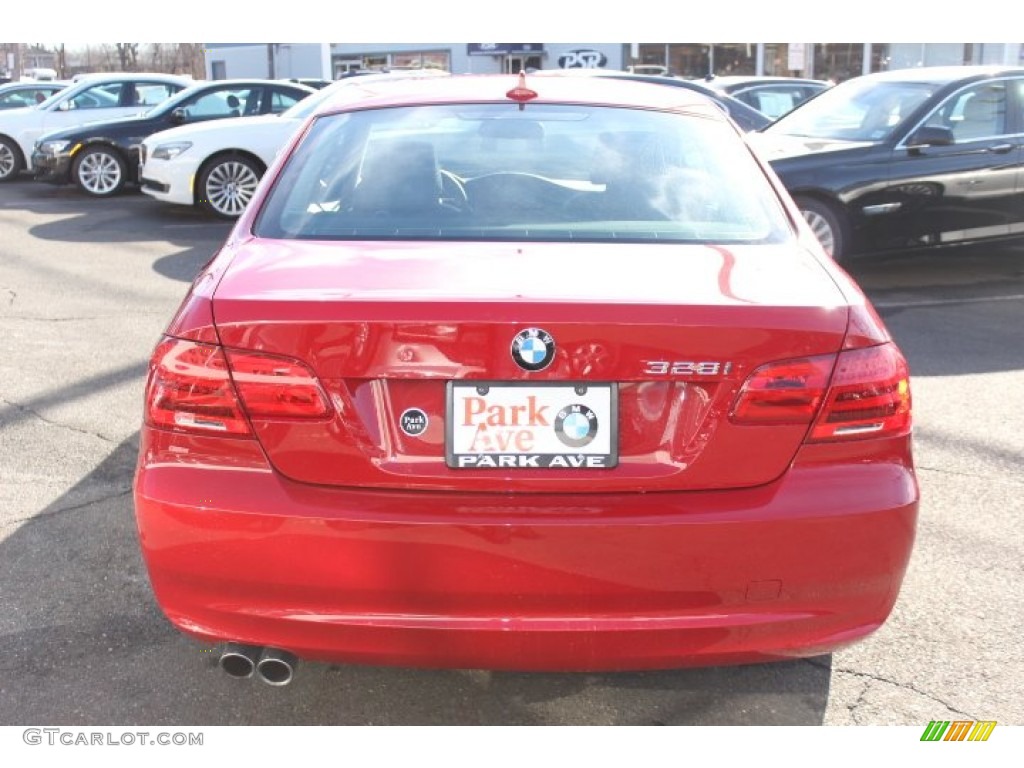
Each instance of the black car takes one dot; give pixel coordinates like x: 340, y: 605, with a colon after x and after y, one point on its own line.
x: 747, y: 118
x: 101, y: 157
x: 906, y: 159
x: 773, y: 96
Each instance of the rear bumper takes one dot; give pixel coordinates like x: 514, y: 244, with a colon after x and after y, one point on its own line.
x: 799, y: 567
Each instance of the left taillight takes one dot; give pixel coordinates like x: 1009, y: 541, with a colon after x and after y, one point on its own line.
x: 276, y: 387
x: 198, y: 387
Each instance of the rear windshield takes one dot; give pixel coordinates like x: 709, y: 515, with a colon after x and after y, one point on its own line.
x: 543, y: 173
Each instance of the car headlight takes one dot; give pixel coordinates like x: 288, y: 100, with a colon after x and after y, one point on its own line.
x: 170, y: 151
x: 53, y: 147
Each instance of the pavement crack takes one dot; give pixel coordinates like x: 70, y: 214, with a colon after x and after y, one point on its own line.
x: 85, y: 318
x: 988, y: 478
x: 52, y: 423
x: 29, y: 319
x: 896, y: 683
x: 861, y: 698
x: 47, y: 513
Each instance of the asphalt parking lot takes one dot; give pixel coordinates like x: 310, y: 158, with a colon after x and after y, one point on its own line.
x: 87, y: 286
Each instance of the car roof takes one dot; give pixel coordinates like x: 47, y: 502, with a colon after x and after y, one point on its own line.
x: 943, y: 75
x: 104, y: 77
x: 35, y: 84
x: 744, y: 115
x: 240, y: 82
x: 726, y: 80
x: 493, y: 88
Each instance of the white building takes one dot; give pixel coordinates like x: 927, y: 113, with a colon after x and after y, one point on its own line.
x: 838, y: 61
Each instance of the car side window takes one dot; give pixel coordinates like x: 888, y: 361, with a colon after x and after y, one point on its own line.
x: 228, y: 102
x: 26, y: 98
x: 152, y: 94
x: 102, y: 96
x: 774, y: 101
x: 1018, y: 84
x: 283, y: 100
x: 977, y: 112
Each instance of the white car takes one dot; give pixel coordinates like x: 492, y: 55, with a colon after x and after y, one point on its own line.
x: 102, y: 97
x: 218, y: 166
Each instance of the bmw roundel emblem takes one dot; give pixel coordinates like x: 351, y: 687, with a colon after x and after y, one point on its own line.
x: 533, y: 349
x: 576, y: 425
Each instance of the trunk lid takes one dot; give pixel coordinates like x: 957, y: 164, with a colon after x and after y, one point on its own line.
x: 386, y: 326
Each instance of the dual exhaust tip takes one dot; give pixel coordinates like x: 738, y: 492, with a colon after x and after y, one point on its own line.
x: 272, y: 665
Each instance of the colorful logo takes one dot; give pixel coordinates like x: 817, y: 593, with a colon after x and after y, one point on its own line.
x: 958, y: 730
x: 533, y: 349
x: 576, y: 425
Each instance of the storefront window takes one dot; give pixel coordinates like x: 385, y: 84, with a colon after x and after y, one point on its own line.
x: 421, y: 60
x: 732, y: 58
x: 403, y: 60
x: 838, y: 61
x: 777, y: 60
x: 700, y: 59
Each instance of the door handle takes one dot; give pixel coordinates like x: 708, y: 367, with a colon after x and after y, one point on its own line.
x: 1000, y: 149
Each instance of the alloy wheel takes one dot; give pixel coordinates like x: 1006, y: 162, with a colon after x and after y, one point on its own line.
x: 99, y: 173
x: 8, y: 162
x: 822, y: 230
x: 230, y: 186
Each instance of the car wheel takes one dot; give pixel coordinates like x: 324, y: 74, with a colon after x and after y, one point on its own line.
x: 827, y: 224
x: 100, y: 171
x: 11, y: 161
x: 227, y: 184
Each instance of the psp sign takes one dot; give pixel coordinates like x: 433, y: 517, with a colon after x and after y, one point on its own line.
x: 582, y: 58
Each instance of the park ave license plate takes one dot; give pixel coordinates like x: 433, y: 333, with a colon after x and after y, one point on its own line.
x: 512, y: 425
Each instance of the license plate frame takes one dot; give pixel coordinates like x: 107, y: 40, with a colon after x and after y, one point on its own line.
x: 555, y: 413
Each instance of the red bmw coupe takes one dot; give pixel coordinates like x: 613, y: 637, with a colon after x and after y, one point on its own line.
x: 538, y: 375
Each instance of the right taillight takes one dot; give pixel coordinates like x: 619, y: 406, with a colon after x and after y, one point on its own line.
x: 198, y: 387
x: 868, y: 395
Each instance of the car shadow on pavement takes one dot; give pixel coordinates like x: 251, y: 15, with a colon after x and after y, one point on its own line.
x: 85, y: 644
x: 952, y: 312
x: 130, y: 217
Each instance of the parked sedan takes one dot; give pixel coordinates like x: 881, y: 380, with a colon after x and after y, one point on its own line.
x: 745, y: 116
x: 906, y: 159
x: 523, y: 373
x: 18, y: 95
x: 772, y: 96
x: 217, y: 167
x: 98, y: 97
x: 102, y: 157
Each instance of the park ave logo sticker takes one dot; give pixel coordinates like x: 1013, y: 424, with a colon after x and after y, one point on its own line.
x: 533, y: 349
x: 518, y: 425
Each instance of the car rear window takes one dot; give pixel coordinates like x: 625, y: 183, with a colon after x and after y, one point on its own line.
x: 545, y: 173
